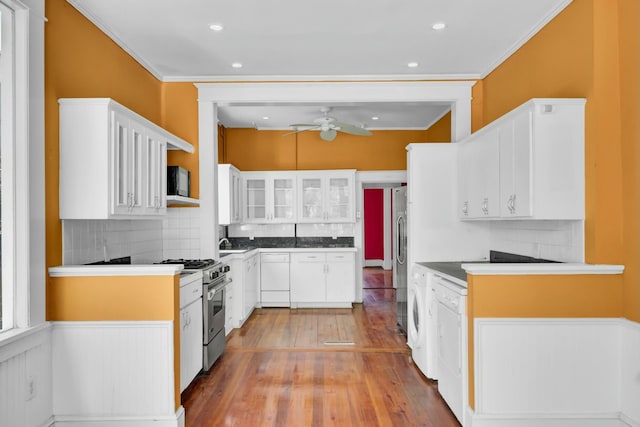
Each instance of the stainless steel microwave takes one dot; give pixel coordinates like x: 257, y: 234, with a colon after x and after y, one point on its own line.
x: 178, y: 181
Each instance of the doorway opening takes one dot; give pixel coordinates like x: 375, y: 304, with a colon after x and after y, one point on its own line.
x: 377, y: 267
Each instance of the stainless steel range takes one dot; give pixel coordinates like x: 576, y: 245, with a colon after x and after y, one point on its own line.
x: 214, y: 278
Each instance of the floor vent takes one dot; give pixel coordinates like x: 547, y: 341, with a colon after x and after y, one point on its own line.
x: 339, y: 343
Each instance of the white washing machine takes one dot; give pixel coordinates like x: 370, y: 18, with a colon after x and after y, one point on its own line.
x: 421, y: 334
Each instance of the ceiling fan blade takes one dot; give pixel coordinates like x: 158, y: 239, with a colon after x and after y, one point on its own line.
x: 351, y: 129
x: 328, y: 135
x: 300, y: 125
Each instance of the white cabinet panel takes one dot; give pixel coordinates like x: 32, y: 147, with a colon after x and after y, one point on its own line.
x: 274, y: 279
x: 112, y: 161
x: 229, y: 194
x: 341, y: 283
x: 190, y: 343
x: 321, y: 279
x: 308, y: 277
x: 326, y: 196
x: 269, y: 197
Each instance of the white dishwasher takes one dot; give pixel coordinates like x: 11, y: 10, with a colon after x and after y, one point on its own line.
x: 452, y: 344
x: 274, y: 279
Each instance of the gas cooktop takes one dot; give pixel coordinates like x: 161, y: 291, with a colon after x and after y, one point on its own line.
x: 191, y: 264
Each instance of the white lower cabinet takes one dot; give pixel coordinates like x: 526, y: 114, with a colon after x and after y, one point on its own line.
x: 242, y: 292
x: 274, y: 279
x: 190, y: 330
x: 251, y: 285
x: 322, y: 279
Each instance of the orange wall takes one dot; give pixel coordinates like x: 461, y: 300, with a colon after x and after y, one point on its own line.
x: 250, y: 149
x: 585, y: 52
x: 180, y: 117
x: 81, y: 61
x: 629, y: 14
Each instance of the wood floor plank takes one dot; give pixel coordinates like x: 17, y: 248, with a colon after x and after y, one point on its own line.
x: 278, y: 371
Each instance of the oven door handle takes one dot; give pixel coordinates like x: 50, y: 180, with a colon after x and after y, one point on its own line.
x: 211, y: 292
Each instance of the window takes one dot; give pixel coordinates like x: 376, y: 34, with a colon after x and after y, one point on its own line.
x: 6, y: 151
x: 21, y: 134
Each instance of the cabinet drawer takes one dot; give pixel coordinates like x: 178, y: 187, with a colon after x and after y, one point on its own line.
x: 308, y: 257
x: 275, y: 257
x: 340, y: 257
x: 190, y: 292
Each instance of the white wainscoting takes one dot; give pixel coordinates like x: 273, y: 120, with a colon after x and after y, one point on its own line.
x: 556, y: 372
x: 25, y: 379
x: 630, y: 372
x: 113, y: 373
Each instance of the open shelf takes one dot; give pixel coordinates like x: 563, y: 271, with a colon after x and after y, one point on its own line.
x: 181, y: 200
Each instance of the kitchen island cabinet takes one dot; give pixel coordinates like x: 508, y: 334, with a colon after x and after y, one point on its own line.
x: 532, y: 327
x: 113, y: 162
x: 115, y: 327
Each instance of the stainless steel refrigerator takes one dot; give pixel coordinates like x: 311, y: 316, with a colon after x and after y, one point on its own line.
x: 399, y: 204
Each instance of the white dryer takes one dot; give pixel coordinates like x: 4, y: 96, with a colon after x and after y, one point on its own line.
x: 421, y: 321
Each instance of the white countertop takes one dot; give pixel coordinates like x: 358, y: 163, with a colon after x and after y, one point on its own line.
x: 116, y: 270
x: 541, y: 268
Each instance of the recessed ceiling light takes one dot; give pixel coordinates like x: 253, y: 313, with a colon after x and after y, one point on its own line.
x: 265, y: 117
x: 412, y: 64
x: 216, y: 27
x: 375, y: 118
x: 236, y: 65
x: 439, y: 26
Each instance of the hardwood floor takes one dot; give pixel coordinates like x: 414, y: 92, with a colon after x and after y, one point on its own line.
x: 317, y: 367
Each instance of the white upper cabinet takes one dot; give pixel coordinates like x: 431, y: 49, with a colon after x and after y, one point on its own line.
x: 479, y: 177
x: 326, y: 196
x: 229, y: 195
x: 113, y: 162
x: 515, y: 141
x: 269, y: 197
x: 537, y: 164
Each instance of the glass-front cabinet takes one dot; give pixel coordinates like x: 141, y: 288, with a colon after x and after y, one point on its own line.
x: 269, y: 197
x: 326, y: 196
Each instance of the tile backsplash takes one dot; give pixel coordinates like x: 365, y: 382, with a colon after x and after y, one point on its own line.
x: 554, y: 240
x: 86, y: 241
x: 181, y: 233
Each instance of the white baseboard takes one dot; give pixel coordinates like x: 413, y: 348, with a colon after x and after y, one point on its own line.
x: 374, y: 263
x: 546, y: 420
x: 78, y: 421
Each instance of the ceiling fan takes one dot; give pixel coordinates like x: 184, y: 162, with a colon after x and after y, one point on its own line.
x: 329, y: 126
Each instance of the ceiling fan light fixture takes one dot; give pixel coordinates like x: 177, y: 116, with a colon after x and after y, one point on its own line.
x: 328, y: 135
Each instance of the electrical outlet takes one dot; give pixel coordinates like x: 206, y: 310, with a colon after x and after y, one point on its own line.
x: 32, y: 388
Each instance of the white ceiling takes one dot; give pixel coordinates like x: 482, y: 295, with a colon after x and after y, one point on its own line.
x: 328, y: 40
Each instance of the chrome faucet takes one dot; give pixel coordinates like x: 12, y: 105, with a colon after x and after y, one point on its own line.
x: 224, y: 240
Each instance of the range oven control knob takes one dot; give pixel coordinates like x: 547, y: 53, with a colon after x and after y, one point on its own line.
x: 214, y: 274
x: 226, y: 268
